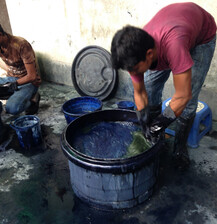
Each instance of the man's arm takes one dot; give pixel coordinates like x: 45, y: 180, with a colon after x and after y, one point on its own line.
x: 182, y: 84
x: 29, y: 78
x: 31, y: 74
x: 141, y: 100
x: 140, y: 94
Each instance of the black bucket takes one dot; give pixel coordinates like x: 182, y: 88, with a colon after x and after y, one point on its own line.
x: 110, y: 183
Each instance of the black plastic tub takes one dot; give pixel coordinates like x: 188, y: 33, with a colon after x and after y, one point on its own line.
x: 110, y: 183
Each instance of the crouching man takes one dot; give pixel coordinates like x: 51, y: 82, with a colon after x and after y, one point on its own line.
x: 20, y: 86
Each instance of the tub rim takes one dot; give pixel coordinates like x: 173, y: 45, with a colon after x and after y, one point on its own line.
x: 114, y: 165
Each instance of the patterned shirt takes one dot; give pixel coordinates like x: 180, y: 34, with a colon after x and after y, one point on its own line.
x: 18, y: 53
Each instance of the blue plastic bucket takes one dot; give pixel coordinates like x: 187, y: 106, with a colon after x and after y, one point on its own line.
x: 128, y: 105
x: 28, y: 131
x: 76, y: 107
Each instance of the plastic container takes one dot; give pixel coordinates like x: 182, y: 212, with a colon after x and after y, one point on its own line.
x: 128, y: 105
x: 28, y: 131
x: 106, y: 183
x: 76, y: 107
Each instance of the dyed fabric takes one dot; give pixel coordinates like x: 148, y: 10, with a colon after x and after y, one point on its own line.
x: 138, y: 145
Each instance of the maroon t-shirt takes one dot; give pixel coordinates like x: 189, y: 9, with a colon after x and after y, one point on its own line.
x: 176, y: 29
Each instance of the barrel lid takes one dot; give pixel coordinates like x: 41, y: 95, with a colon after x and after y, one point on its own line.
x: 92, y: 73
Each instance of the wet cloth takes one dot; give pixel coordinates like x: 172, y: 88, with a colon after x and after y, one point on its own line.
x: 18, y: 53
x: 139, y: 145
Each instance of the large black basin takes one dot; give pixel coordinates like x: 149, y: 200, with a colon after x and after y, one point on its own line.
x: 110, y: 183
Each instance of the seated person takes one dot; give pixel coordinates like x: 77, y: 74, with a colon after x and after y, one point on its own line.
x: 22, y: 79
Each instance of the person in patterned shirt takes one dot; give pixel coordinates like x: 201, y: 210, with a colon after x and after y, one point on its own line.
x: 20, y: 86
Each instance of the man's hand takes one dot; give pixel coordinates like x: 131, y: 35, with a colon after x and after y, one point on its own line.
x: 159, y: 124
x: 12, y: 86
x: 143, y: 118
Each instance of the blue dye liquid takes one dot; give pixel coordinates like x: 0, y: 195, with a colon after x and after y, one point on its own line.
x: 105, y: 139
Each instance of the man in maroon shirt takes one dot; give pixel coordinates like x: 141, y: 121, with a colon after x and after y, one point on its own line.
x: 180, y: 39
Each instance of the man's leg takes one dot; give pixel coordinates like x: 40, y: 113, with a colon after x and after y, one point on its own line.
x: 202, y: 56
x: 25, y: 99
x: 21, y: 99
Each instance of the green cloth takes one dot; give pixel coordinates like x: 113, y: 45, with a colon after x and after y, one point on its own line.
x: 138, y: 145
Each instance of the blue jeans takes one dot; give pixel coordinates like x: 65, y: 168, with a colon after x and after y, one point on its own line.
x: 155, y: 80
x: 20, y: 100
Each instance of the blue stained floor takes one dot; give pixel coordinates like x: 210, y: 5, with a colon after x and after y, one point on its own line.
x: 35, y: 185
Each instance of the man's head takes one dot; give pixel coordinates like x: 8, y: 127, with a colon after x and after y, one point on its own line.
x: 130, y: 46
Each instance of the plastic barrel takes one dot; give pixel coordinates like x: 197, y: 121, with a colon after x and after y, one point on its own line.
x: 28, y: 131
x: 110, y: 184
x: 78, y: 106
x: 128, y: 105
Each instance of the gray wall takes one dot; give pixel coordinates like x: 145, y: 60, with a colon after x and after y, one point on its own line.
x: 4, y: 18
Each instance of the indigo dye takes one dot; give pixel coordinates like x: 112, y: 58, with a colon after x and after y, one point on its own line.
x: 110, y: 140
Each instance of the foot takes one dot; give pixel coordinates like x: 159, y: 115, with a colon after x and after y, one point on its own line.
x: 33, y: 108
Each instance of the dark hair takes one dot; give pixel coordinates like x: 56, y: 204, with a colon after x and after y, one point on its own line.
x: 129, y: 47
x: 2, y: 30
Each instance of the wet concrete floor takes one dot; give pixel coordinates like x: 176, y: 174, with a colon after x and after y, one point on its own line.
x: 35, y: 185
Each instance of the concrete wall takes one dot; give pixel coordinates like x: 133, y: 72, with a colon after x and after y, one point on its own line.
x: 58, y: 29
x: 4, y: 18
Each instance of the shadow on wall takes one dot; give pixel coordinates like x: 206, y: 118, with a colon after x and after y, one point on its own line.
x: 60, y: 73
x: 54, y: 71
